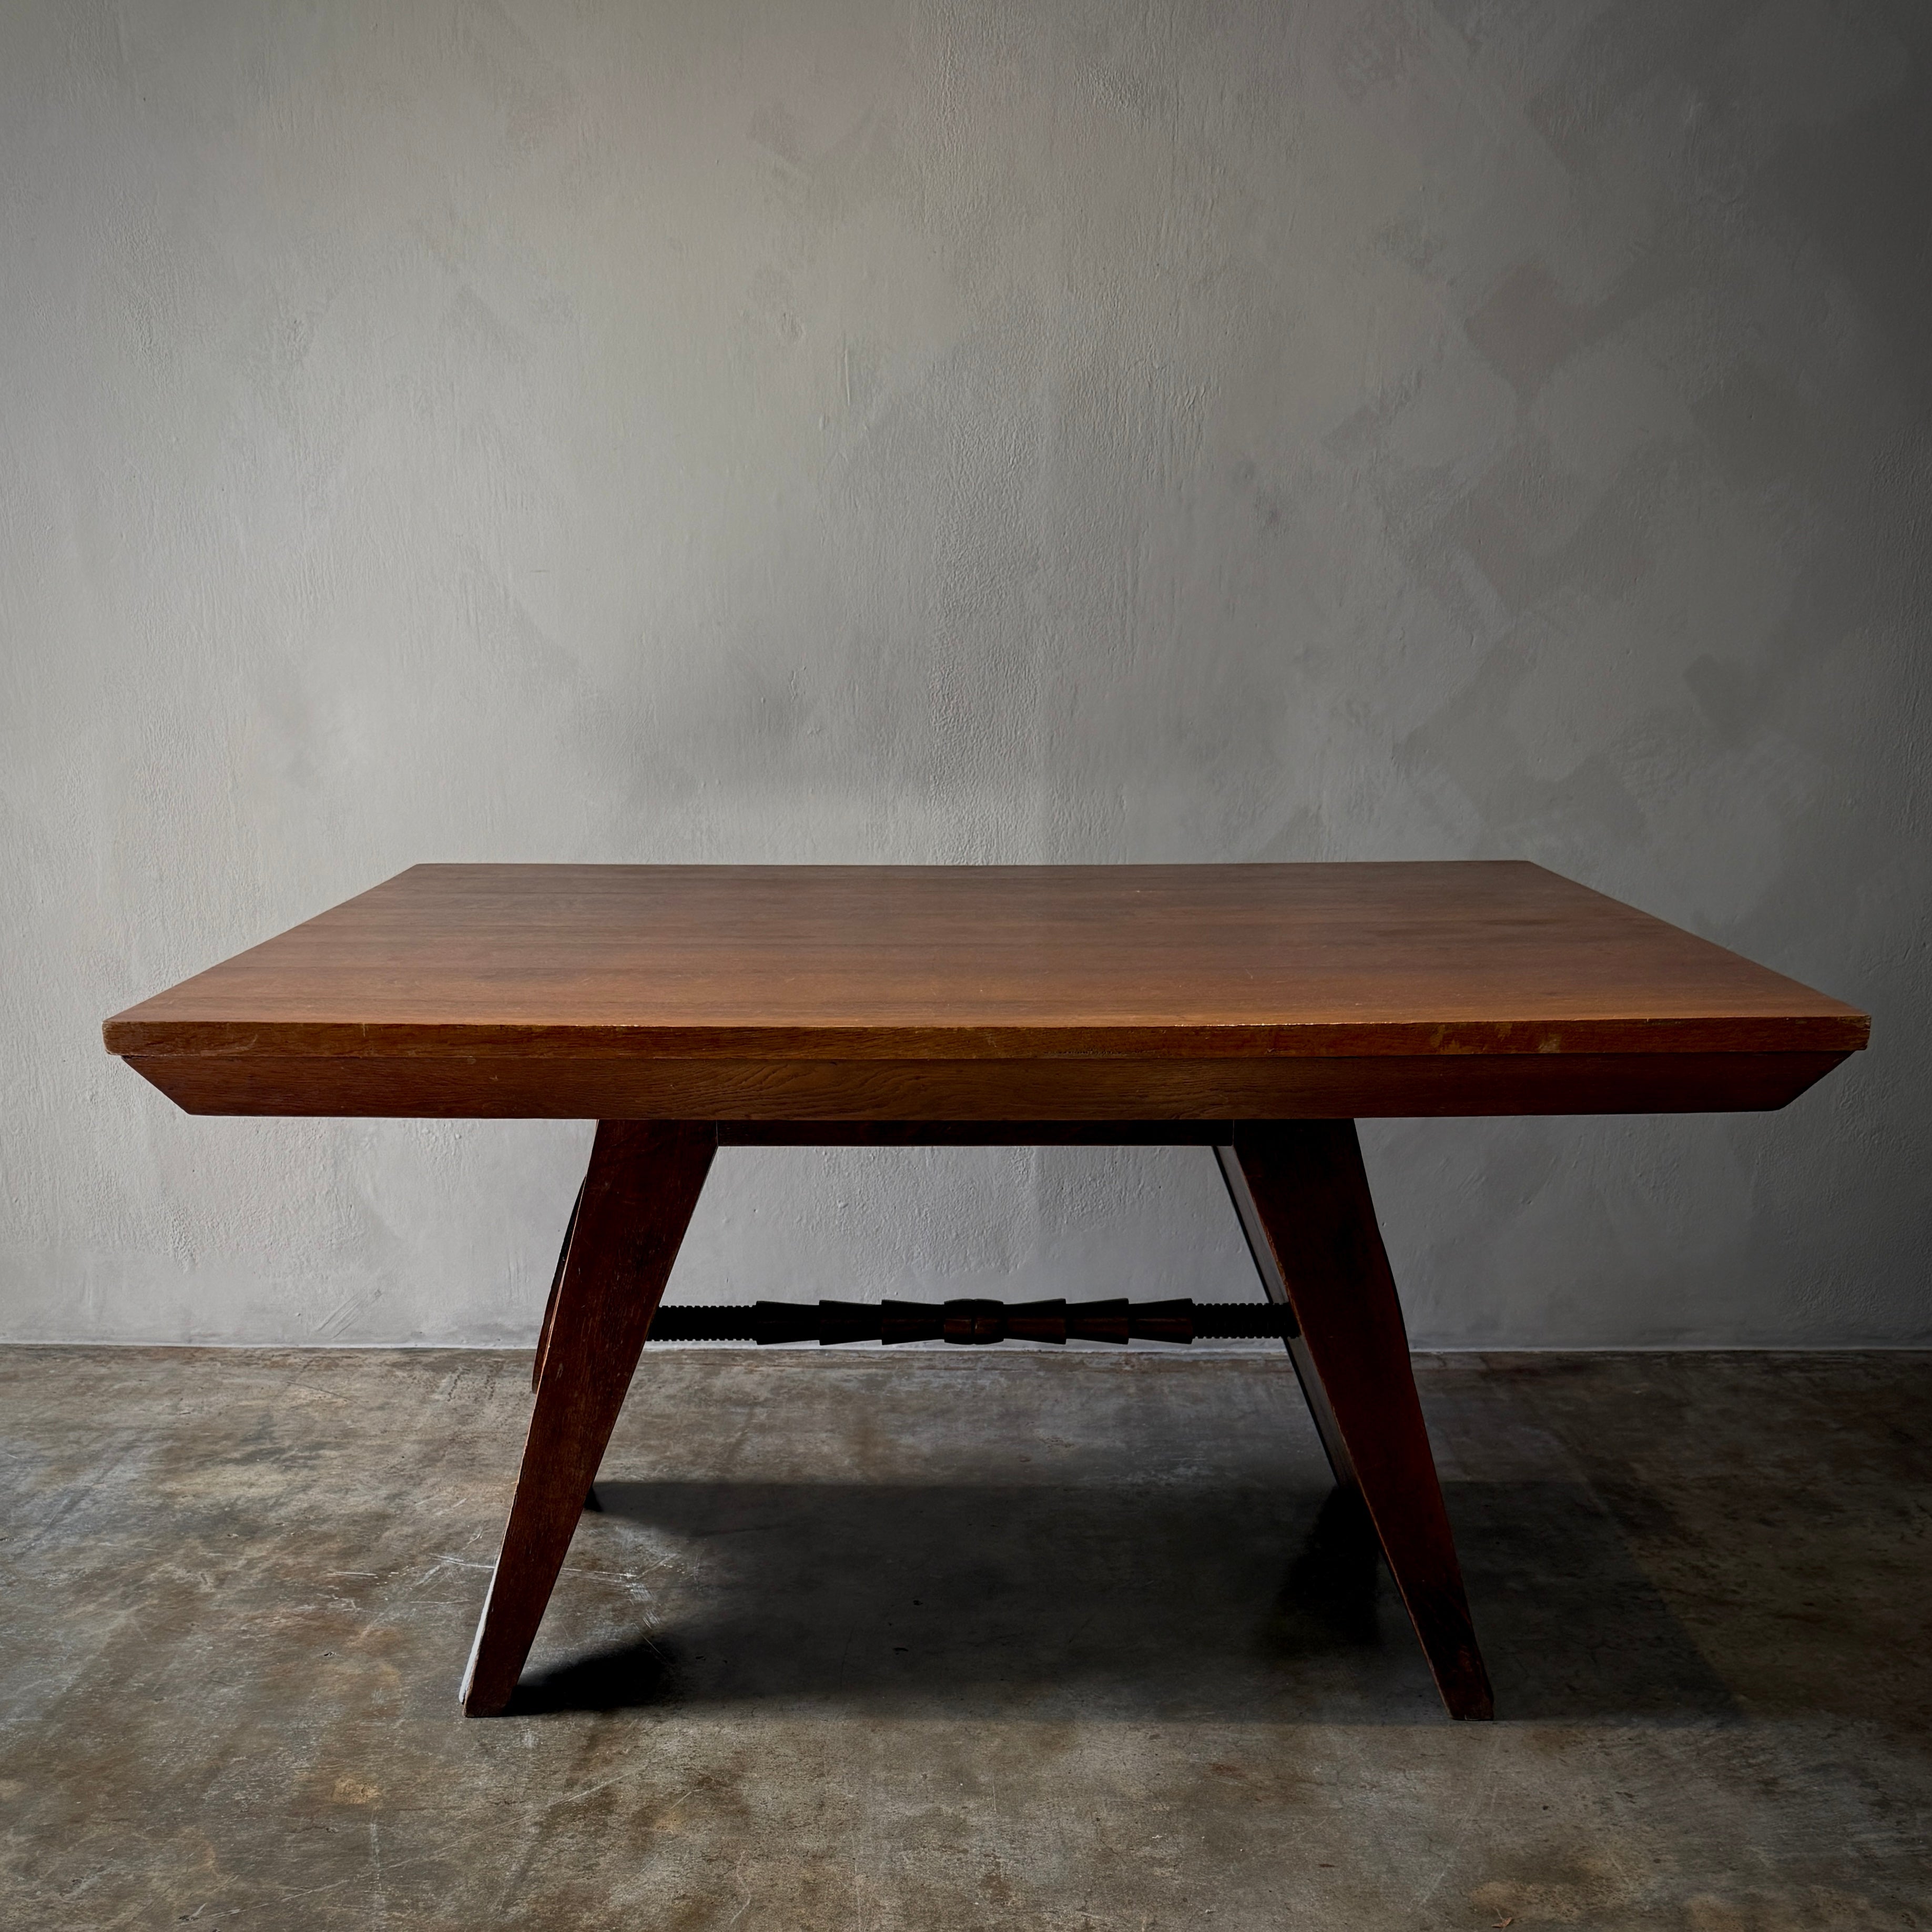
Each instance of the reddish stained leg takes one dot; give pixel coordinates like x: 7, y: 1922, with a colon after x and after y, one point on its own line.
x: 637, y: 1197
x: 1303, y: 1196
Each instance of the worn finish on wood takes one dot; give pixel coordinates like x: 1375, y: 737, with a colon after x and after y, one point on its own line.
x: 642, y: 1184
x: 1311, y: 1202
x: 903, y: 993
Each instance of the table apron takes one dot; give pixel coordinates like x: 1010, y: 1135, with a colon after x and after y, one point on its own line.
x: 639, y: 1087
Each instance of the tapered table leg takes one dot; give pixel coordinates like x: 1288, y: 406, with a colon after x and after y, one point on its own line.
x: 1303, y: 1195
x: 636, y: 1203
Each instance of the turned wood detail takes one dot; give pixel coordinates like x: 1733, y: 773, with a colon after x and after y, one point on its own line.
x: 974, y: 1323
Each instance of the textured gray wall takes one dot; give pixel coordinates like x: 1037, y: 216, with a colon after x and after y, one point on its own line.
x: 851, y: 430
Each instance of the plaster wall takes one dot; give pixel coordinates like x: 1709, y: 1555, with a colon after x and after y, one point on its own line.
x: 863, y: 431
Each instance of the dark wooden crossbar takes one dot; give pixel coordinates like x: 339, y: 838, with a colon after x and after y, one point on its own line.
x: 976, y: 1322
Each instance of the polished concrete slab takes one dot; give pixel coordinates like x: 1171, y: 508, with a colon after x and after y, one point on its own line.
x: 935, y: 1640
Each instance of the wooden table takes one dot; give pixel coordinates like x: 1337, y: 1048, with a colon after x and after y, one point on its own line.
x: 1256, y: 1009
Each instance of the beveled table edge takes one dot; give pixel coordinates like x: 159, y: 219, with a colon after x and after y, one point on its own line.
x: 1307, y: 1088
x: 1832, y: 1028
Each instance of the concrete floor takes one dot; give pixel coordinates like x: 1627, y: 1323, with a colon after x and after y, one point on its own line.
x: 937, y: 1640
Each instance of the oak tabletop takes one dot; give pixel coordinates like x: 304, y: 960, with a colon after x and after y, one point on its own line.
x: 1435, y: 957
x: 496, y: 963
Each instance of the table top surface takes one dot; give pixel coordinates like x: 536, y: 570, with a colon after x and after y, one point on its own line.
x: 995, y: 961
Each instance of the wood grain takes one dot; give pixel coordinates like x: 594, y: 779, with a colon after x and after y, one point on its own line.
x: 850, y: 993
x: 952, y: 963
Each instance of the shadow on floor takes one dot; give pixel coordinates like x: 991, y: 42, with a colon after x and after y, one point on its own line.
x: 1573, y: 1628
x: 1214, y: 1604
